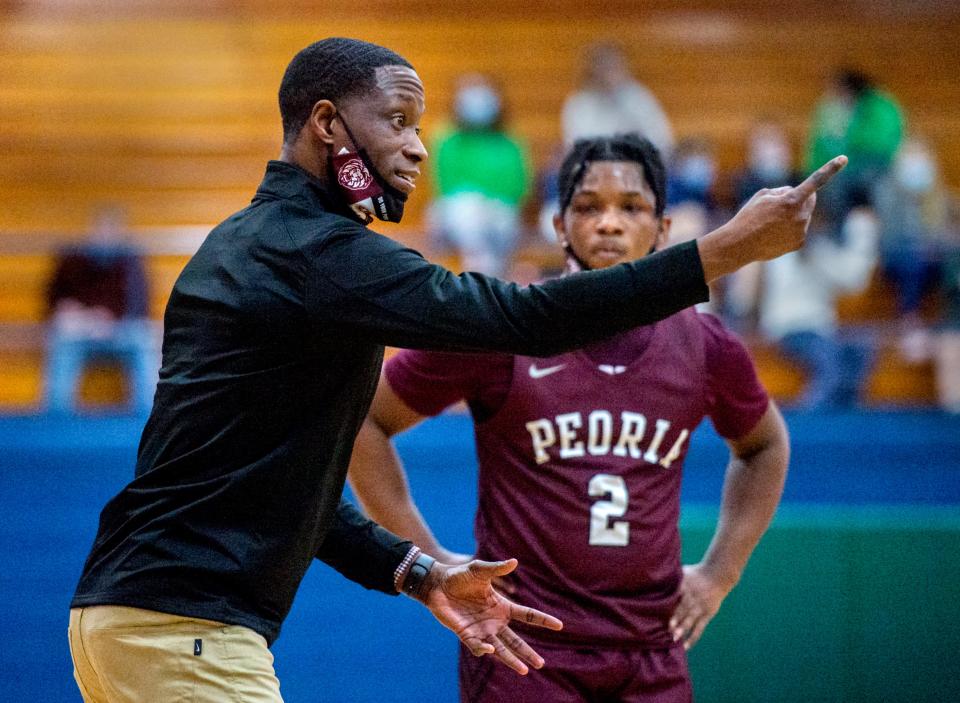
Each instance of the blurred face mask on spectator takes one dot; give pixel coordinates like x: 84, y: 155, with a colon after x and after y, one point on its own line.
x: 770, y: 158
x: 696, y: 172
x: 477, y: 107
x: 915, y: 171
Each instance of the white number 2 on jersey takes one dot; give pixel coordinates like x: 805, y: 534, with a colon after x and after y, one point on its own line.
x: 602, y: 532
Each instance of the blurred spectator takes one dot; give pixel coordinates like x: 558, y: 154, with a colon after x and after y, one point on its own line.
x: 97, y: 307
x: 690, y: 220
x: 690, y: 180
x: 482, y: 177
x: 913, y: 210
x: 548, y: 191
x: 692, y: 174
x: 739, y: 298
x: 611, y: 101
x: 855, y: 118
x: 769, y: 164
x: 947, y: 348
x: 798, y: 309
x: 769, y: 160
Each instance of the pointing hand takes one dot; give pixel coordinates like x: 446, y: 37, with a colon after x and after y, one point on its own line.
x: 772, y: 223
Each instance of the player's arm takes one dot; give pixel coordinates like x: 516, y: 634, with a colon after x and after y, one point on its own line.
x: 378, y: 478
x: 460, y: 595
x: 751, y: 491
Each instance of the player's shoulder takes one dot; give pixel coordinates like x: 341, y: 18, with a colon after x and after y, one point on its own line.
x: 692, y: 322
x: 430, y: 363
x: 708, y: 322
x: 429, y: 381
x: 717, y: 337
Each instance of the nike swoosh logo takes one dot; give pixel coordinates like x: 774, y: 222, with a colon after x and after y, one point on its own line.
x: 540, y: 373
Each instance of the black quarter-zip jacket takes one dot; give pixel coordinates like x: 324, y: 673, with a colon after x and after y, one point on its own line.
x: 273, y: 340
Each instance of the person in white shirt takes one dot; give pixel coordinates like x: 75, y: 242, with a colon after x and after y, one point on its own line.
x: 611, y: 101
x: 798, y: 309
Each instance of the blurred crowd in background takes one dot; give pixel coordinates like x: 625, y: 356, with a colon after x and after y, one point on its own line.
x: 887, y: 216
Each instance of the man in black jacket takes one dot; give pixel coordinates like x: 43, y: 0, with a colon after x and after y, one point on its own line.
x: 273, y: 341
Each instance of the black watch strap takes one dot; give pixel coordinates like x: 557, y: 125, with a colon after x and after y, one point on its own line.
x: 417, y: 574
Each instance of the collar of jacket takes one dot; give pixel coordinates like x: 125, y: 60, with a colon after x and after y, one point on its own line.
x: 285, y: 180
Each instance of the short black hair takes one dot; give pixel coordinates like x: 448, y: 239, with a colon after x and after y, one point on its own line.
x: 855, y: 81
x: 330, y: 69
x: 621, y: 147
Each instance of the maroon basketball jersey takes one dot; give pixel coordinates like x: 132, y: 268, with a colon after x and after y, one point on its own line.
x: 580, y: 475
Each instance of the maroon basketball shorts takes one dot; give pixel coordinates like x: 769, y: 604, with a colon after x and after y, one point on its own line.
x: 576, y: 675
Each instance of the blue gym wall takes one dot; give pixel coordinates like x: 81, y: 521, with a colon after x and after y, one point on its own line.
x: 852, y: 595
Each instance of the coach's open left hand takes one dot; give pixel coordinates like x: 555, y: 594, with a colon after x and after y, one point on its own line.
x: 462, y: 599
x: 772, y: 223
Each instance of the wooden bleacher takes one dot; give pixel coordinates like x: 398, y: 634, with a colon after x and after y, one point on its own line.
x: 171, y: 111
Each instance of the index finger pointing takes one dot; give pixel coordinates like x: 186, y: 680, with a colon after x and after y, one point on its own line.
x: 819, y: 178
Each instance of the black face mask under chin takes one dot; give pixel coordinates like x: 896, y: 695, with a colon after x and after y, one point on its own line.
x: 366, y: 192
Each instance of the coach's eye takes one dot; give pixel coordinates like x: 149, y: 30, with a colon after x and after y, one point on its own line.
x: 399, y: 121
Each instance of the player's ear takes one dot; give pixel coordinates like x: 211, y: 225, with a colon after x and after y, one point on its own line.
x: 663, y: 232
x: 560, y: 229
x: 320, y: 122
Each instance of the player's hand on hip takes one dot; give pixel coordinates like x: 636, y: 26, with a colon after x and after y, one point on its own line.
x: 700, y: 599
x: 463, y: 599
x: 772, y: 223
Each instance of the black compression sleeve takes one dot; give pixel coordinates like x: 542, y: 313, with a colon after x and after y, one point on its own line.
x: 392, y: 296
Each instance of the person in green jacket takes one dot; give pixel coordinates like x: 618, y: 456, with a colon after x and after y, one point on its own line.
x: 481, y: 178
x: 856, y: 118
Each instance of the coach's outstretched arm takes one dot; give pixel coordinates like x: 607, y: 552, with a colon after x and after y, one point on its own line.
x: 391, y: 295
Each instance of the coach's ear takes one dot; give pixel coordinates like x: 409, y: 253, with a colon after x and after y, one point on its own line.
x: 320, y: 122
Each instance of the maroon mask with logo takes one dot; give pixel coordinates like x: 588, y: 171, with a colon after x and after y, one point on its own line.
x: 365, y: 191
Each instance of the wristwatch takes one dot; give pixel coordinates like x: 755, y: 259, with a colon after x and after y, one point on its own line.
x: 417, y: 574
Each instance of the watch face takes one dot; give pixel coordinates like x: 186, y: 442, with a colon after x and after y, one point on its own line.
x: 417, y: 574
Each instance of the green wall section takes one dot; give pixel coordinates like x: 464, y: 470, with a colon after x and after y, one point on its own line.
x: 838, y: 604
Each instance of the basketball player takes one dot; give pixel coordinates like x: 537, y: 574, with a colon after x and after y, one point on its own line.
x: 581, y: 457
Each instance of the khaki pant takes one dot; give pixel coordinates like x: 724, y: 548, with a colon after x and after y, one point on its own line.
x: 125, y: 654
